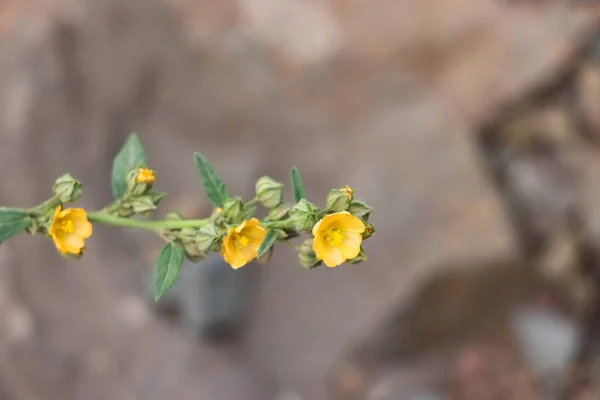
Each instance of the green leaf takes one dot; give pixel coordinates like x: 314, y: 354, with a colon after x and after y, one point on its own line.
x: 131, y: 155
x: 12, y: 222
x: 215, y: 189
x: 268, y: 242
x: 297, y: 186
x: 167, y: 268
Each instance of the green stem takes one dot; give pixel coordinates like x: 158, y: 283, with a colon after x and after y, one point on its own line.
x: 102, y: 217
x: 285, y: 224
x: 47, y: 205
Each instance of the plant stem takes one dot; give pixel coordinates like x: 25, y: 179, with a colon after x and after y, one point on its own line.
x: 48, y: 204
x: 156, y: 226
x: 285, y: 224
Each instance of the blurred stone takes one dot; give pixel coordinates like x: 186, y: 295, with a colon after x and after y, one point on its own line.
x: 346, y: 90
x: 548, y: 340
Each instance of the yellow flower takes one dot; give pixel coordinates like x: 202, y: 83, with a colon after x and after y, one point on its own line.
x: 145, y: 175
x: 337, y: 238
x: 240, y: 245
x: 69, y: 229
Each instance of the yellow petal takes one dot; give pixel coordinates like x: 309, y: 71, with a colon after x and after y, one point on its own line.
x: 55, y: 219
x: 81, y: 225
x: 332, y: 256
x: 319, y: 247
x: 350, y: 246
x: 256, y: 234
x: 72, y: 243
x: 246, y: 224
x: 240, y: 227
x: 58, y: 243
x: 330, y: 221
x: 350, y: 223
x: 316, y: 228
x: 239, y: 261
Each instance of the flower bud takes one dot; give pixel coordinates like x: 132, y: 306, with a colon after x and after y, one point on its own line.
x: 304, y: 215
x: 280, y: 212
x: 233, y: 207
x: 139, y: 181
x: 269, y: 192
x: 369, y: 230
x: 360, y: 209
x: 174, y: 216
x: 193, y: 253
x: 338, y: 199
x: 208, y: 238
x: 142, y: 205
x: 216, y: 212
x: 236, y: 211
x: 307, y: 256
x: 359, y: 258
x: 146, y: 203
x: 67, y: 189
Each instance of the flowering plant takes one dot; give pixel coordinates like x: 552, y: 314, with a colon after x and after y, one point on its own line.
x: 336, y: 231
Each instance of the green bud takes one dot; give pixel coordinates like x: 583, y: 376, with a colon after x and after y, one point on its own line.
x: 188, y: 235
x: 125, y: 209
x: 139, y: 181
x: 307, y: 256
x: 193, y: 253
x: 369, y: 230
x: 304, y: 215
x: 235, y: 211
x: 34, y: 226
x: 67, y: 189
x: 359, y: 258
x: 280, y: 212
x: 208, y: 238
x: 269, y: 192
x: 142, y: 205
x: 338, y: 199
x: 232, y: 208
x: 174, y: 216
x: 247, y: 213
x: 360, y: 209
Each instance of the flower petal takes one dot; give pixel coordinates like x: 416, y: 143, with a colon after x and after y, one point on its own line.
x: 55, y: 219
x: 330, y: 221
x: 250, y: 223
x: 318, y: 247
x: 72, y: 244
x: 350, y: 223
x: 255, y: 233
x: 58, y: 242
x: 238, y: 261
x: 81, y: 224
x: 350, y: 246
x: 332, y: 256
x: 316, y: 228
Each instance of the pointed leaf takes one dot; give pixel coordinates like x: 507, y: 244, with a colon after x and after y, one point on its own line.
x: 12, y: 222
x: 268, y: 242
x: 131, y: 155
x: 215, y: 189
x: 297, y: 187
x: 167, y: 268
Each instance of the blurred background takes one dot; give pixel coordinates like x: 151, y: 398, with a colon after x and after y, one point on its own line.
x: 470, y: 126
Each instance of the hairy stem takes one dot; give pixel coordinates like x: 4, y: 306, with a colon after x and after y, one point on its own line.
x: 156, y: 226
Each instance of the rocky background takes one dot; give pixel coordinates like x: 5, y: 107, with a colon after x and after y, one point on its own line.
x: 392, y: 97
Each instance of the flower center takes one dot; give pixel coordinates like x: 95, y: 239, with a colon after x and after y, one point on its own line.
x: 66, y: 226
x: 334, y: 237
x: 243, y: 241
